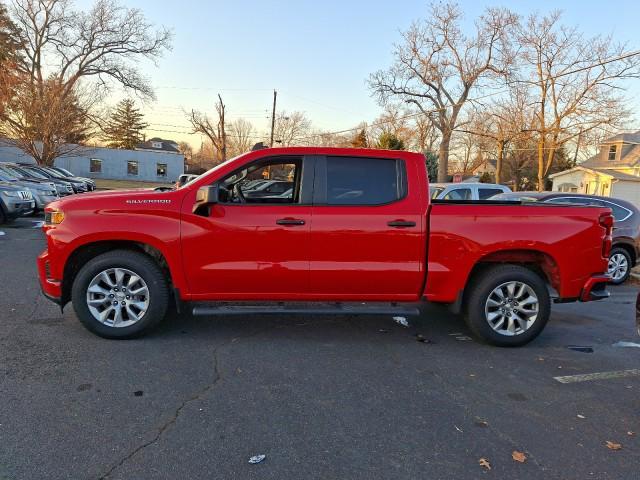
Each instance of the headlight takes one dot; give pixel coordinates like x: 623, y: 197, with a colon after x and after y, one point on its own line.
x: 10, y: 194
x: 54, y: 217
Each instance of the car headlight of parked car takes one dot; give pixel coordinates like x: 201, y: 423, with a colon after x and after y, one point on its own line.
x: 11, y: 194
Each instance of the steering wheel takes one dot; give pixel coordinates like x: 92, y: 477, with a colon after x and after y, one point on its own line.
x: 238, y: 193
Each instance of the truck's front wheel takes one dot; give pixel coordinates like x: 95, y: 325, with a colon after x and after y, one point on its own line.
x: 120, y: 294
x: 508, y: 305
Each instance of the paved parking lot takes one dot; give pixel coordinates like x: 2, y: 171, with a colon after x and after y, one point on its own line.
x: 338, y: 397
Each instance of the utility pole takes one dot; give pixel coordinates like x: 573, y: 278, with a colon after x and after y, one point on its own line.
x: 273, y: 117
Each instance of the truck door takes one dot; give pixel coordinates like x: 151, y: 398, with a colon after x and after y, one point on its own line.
x: 252, y: 247
x: 368, y: 233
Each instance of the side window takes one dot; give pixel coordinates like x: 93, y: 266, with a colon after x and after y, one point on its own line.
x: 363, y: 181
x: 458, y: 194
x: 264, y: 182
x: 619, y: 213
x: 577, y: 201
x: 484, y: 193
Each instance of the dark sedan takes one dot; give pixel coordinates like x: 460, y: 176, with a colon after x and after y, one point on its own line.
x: 625, y: 251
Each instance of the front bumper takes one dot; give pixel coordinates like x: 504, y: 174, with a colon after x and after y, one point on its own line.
x: 19, y: 208
x: 595, y: 288
x: 51, y: 288
x: 43, y: 200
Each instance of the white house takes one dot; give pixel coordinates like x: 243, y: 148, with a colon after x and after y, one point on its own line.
x: 613, y: 172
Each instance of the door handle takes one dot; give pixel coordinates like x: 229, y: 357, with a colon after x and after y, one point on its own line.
x: 401, y: 224
x: 290, y: 221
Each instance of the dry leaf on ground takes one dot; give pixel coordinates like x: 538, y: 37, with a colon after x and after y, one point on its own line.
x: 613, y: 445
x: 518, y: 456
x: 484, y: 463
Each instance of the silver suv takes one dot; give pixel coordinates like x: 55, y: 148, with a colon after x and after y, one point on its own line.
x: 14, y: 202
x: 43, y: 192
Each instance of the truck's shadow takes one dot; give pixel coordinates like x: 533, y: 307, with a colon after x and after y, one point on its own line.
x: 435, y: 323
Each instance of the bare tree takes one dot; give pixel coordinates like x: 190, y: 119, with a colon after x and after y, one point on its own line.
x: 574, y: 82
x: 241, y: 137
x: 65, y: 50
x: 214, y: 130
x: 47, y: 124
x: 291, y: 128
x: 468, y: 152
x: 437, y: 66
x: 500, y: 122
x: 425, y: 135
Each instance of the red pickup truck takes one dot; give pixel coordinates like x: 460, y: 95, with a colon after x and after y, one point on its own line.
x: 319, y: 230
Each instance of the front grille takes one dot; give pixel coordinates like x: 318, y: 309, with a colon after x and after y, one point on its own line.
x: 69, y: 188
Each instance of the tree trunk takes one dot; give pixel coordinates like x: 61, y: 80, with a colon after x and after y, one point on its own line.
x: 541, y: 163
x: 443, y: 157
x: 499, y: 160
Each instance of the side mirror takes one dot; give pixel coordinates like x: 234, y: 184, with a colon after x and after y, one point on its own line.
x: 205, y: 197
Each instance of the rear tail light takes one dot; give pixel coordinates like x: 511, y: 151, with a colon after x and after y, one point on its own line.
x: 606, y: 220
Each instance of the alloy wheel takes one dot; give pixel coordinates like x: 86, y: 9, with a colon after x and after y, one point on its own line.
x: 118, y: 297
x: 618, y: 266
x: 512, y: 308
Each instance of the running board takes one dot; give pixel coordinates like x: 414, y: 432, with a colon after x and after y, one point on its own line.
x: 280, y: 308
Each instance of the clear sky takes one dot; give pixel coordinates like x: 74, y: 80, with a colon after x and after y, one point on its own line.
x: 317, y: 54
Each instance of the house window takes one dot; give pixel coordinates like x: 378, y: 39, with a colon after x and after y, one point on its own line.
x: 95, y: 165
x: 161, y: 169
x: 612, y: 152
x: 156, y: 144
x: 132, y: 167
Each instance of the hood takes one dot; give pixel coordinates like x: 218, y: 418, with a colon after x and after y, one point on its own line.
x: 6, y: 186
x: 35, y: 185
x: 139, y: 198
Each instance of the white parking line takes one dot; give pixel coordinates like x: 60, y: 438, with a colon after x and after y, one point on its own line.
x: 598, y: 376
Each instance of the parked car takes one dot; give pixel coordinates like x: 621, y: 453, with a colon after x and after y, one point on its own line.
x: 465, y: 191
x: 64, y: 173
x: 14, y: 202
x: 344, y: 242
x: 43, y: 192
x: 184, y: 179
x: 625, y: 251
x: 63, y: 188
x: 270, y: 188
x: 78, y: 185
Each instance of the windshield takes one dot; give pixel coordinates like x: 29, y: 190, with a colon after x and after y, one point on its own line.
x: 65, y: 171
x: 7, y: 175
x: 28, y: 173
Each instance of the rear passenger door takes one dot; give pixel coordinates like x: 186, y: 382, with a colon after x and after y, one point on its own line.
x: 367, y: 234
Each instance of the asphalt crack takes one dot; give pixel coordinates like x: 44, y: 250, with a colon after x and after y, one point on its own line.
x: 217, y: 377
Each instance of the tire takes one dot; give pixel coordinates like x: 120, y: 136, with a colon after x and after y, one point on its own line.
x: 3, y: 216
x: 619, y: 265
x: 484, y: 302
x: 148, y: 299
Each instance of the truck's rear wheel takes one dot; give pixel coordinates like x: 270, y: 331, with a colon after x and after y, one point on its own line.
x: 508, y: 305
x: 120, y: 294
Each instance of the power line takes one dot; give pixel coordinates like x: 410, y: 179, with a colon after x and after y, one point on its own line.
x: 436, y: 110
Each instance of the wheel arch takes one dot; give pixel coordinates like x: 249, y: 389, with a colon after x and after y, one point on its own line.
x: 87, y: 251
x: 539, y: 262
x: 629, y: 248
